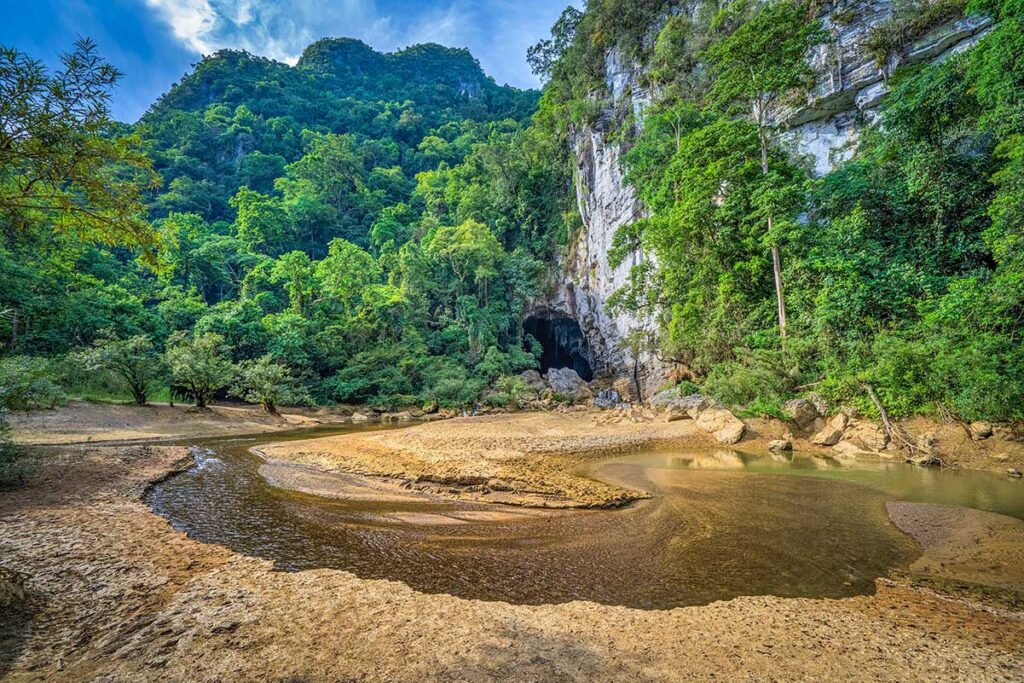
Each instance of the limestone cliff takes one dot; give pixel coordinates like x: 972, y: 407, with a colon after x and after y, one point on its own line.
x: 847, y: 96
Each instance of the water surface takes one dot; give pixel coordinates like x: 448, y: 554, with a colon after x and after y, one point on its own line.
x: 721, y: 524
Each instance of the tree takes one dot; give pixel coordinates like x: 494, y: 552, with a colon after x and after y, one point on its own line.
x: 268, y: 383
x: 60, y: 160
x: 759, y: 69
x: 543, y: 56
x: 470, y: 249
x: 345, y: 273
x: 296, y: 272
x: 133, y: 360
x: 262, y: 222
x: 200, y: 364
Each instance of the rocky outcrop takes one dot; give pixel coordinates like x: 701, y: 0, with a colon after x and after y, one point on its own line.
x: 851, y: 82
x: 586, y: 279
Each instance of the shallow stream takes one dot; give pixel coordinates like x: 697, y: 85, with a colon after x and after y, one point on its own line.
x: 720, y: 524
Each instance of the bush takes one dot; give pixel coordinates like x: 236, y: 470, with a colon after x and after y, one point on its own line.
x: 269, y: 384
x: 25, y: 385
x: 512, y: 390
x: 757, y: 377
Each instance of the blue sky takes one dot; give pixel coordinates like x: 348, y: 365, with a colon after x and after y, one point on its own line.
x: 155, y: 42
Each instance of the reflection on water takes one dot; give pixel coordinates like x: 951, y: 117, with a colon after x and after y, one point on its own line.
x: 721, y: 524
x: 968, y: 488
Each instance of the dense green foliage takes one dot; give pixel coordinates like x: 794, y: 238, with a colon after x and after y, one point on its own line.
x: 368, y: 228
x: 372, y: 222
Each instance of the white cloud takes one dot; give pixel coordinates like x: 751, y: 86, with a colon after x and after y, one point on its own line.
x: 279, y: 30
x: 496, y: 31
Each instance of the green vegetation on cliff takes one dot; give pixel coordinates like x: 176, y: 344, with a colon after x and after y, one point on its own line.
x: 902, y: 267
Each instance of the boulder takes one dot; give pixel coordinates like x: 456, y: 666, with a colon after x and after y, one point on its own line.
x: 981, y: 430
x: 871, y: 436
x: 840, y: 421
x: 664, y: 399
x: 403, y: 416
x: 722, y: 424
x: 673, y: 414
x: 780, y: 445
x: 360, y: 417
x: 850, y: 448
x: 829, y: 436
x: 607, y: 399
x: 625, y: 386
x: 565, y: 381
x: 1016, y: 474
x: 534, y: 381
x: 802, y: 412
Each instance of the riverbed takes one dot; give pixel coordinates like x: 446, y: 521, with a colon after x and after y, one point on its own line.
x: 718, y: 524
x: 115, y: 592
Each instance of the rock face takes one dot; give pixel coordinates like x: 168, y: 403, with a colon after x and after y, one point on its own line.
x: 851, y: 83
x: 848, y: 93
x: 586, y: 280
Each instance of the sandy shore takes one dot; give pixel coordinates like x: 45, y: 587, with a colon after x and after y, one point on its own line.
x: 522, y: 459
x: 531, y: 459
x: 116, y: 594
x: 82, y: 422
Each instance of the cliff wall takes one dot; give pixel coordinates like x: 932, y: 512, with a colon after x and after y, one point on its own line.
x: 849, y: 90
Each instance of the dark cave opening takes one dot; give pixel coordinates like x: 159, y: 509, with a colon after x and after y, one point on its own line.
x: 563, y: 343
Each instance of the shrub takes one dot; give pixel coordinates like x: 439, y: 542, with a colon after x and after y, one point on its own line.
x: 269, y: 384
x: 756, y: 377
x: 512, y: 390
x: 25, y: 384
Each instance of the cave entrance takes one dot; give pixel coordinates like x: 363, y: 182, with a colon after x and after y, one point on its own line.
x: 563, y: 343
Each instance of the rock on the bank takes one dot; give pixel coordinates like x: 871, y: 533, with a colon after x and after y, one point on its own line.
x: 803, y: 413
x: 565, y: 381
x: 722, y: 424
x: 981, y: 430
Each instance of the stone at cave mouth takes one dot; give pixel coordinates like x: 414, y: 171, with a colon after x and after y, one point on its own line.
x: 563, y: 343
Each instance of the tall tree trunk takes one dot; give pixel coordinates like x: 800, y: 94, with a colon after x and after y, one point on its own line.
x: 780, y: 299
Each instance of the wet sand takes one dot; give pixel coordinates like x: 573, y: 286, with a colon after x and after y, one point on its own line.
x: 116, y: 594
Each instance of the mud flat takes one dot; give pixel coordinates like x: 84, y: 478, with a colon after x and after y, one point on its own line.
x: 115, y: 593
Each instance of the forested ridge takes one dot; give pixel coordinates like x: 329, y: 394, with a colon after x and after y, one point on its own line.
x: 367, y: 227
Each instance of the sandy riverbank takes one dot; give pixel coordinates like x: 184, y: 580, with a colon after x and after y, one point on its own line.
x: 116, y: 594
x: 83, y: 422
x: 521, y: 459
